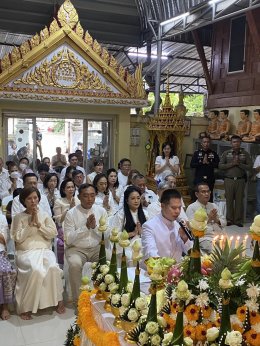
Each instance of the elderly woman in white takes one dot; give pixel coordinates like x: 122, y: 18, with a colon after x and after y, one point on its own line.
x: 39, y: 283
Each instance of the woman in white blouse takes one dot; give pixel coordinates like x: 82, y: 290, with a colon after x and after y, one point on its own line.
x: 104, y: 197
x: 167, y: 163
x: 113, y: 185
x: 60, y: 209
x: 50, y: 184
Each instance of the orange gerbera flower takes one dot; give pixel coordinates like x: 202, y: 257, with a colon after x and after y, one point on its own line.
x: 189, y: 331
x: 252, y: 337
x: 192, y: 312
x: 170, y: 322
x: 201, y: 332
x: 174, y: 307
x: 76, y: 341
x: 241, y: 313
x: 206, y: 311
x: 254, y: 317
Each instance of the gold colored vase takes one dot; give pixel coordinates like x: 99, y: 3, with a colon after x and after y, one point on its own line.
x: 107, y: 306
x: 116, y: 313
x: 127, y: 327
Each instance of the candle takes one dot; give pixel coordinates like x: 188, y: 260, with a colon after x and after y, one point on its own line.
x: 230, y: 241
x: 244, y: 245
x: 221, y: 241
x: 237, y: 242
x: 215, y: 240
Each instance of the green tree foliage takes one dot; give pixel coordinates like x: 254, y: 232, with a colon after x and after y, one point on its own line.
x: 193, y: 102
x: 59, y: 126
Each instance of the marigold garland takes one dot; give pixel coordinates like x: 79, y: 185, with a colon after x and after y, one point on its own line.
x: 88, y: 324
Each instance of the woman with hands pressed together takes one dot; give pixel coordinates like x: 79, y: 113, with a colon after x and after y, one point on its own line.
x: 104, y: 197
x: 39, y: 283
x: 132, y: 216
x: 167, y: 163
x: 61, y: 206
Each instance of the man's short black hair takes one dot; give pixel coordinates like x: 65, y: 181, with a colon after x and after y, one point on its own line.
x: 24, y: 158
x: 28, y: 175
x: 225, y: 111
x: 43, y: 168
x: 85, y: 186
x: 124, y: 160
x: 235, y: 137
x: 215, y: 112
x: 167, y: 195
x: 202, y: 183
x: 76, y: 172
x: 246, y: 111
x: 72, y: 155
x: 257, y: 110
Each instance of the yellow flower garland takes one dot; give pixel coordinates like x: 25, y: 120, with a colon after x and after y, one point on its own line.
x: 88, y: 324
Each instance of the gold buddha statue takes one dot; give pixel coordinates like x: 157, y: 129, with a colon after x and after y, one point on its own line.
x: 213, y: 124
x: 244, y: 126
x: 254, y: 134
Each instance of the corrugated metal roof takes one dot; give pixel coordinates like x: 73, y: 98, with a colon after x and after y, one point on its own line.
x: 143, y: 16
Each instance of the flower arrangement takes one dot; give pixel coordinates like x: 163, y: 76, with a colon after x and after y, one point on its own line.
x: 150, y: 330
x: 121, y: 299
x: 138, y: 306
x: 220, y: 299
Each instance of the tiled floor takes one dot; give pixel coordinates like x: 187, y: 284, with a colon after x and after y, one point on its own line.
x: 45, y: 329
x: 49, y: 328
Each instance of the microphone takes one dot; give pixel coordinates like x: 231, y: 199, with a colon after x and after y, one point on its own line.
x: 186, y: 229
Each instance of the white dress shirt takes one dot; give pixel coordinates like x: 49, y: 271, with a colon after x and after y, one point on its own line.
x: 160, y: 161
x: 160, y: 238
x: 122, y: 178
x: 212, y: 228
x: 91, y: 176
x: 76, y: 232
x: 257, y: 164
x: 44, y: 206
x: 100, y: 199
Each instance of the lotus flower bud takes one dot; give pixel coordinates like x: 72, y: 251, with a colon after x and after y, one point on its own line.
x: 226, y: 274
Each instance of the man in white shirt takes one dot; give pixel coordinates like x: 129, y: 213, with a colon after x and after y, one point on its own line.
x: 13, y: 182
x: 81, y: 234
x: 73, y: 162
x: 148, y: 196
x: 30, y: 180
x: 256, y: 169
x: 216, y: 221
x: 162, y: 235
x: 58, y: 161
x: 125, y: 168
x: 4, y: 175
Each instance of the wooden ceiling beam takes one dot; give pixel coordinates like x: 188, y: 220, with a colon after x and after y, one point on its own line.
x: 203, y: 60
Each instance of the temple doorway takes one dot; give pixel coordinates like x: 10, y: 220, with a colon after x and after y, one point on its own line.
x: 37, y: 137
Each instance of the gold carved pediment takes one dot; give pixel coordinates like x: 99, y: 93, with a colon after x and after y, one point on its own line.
x: 63, y: 70
x: 85, y: 70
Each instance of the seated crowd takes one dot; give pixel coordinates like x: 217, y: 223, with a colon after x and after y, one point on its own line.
x: 54, y: 217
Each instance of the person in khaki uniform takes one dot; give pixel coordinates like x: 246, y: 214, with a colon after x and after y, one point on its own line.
x: 235, y: 162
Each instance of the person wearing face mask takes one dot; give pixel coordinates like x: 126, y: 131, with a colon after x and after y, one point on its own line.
x: 30, y: 180
x: 23, y: 165
x: 12, y: 183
